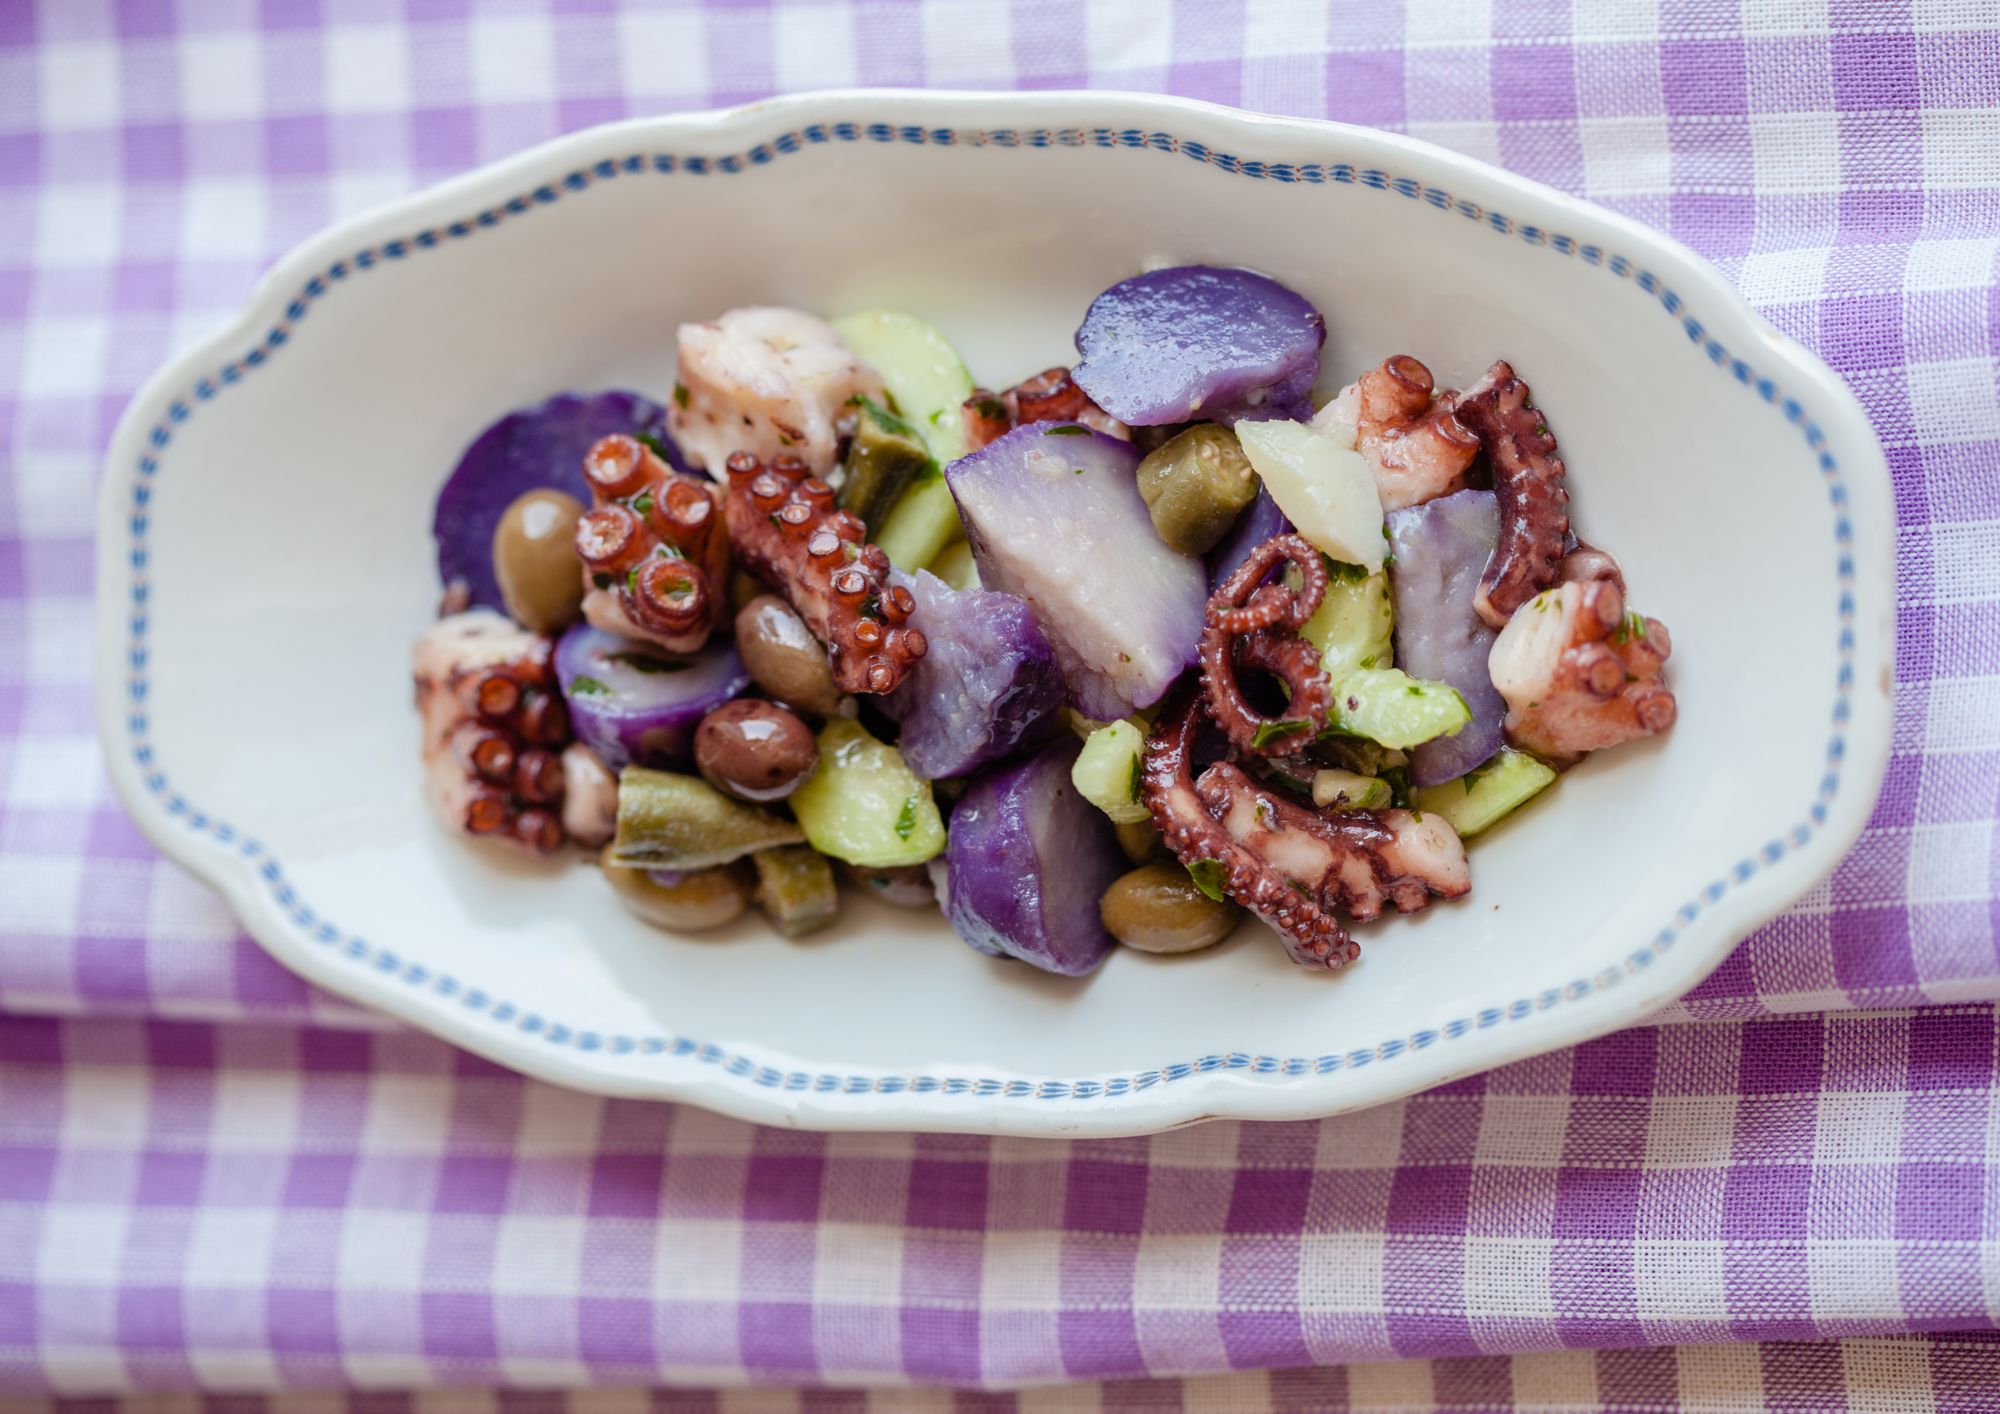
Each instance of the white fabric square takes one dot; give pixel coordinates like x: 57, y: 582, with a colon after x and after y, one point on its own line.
x: 813, y: 46
x: 1625, y: 156
x: 697, y: 1260
x: 1963, y: 714
x: 222, y: 76
x: 407, y: 1114
x: 229, y: 1249
x: 1796, y: 152
x: 82, y: 1244
x: 80, y: 86
x: 1175, y: 1272
x: 968, y: 41
x: 1509, y: 1277
x: 1124, y: 34
x: 78, y: 225
x: 538, y: 1255
x: 1368, y: 1139
x: 226, y: 220
x: 1522, y: 1130
x: 1341, y: 1272
x: 513, y: 59
x: 1965, y: 559
x: 368, y: 69
x: 1615, y: 19
x: 66, y: 358
x: 1853, y: 1280
x: 1951, y: 863
x: 1950, y: 264
x: 663, y: 54
x: 1858, y: 1128
x: 1784, y: 276
x: 1958, y: 148
x: 1274, y: 29
x: 1720, y: 1376
x: 381, y: 1250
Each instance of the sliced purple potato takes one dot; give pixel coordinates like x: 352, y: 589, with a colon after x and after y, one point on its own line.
x: 1054, y: 516
x: 1026, y: 862
x: 988, y: 687
x: 1441, y: 548
x: 636, y: 706
x: 1257, y: 524
x: 528, y: 450
x: 1200, y: 341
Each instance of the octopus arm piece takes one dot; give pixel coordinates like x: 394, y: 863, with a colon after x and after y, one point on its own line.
x: 493, y: 729
x: 787, y: 532
x: 1528, y: 478
x: 1253, y: 624
x: 766, y: 380
x: 654, y: 552
x: 1407, y: 431
x: 1050, y: 396
x: 1580, y: 673
x: 1313, y: 936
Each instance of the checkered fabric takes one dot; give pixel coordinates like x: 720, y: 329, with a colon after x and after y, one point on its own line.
x: 213, y: 1176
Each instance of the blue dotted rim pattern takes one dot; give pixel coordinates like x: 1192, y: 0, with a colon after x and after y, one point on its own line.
x: 527, y: 1022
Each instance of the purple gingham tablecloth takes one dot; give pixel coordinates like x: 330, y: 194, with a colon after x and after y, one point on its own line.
x: 212, y: 1176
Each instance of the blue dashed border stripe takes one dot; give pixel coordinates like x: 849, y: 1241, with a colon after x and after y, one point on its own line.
x: 501, y: 1012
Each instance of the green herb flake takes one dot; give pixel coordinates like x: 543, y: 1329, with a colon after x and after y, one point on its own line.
x: 1076, y: 471
x: 1268, y: 732
x: 1415, y: 689
x: 1368, y: 662
x: 680, y: 395
x: 643, y: 503
x: 1068, y: 429
x: 1138, y: 776
x: 588, y: 687
x: 647, y: 663
x: 654, y: 445
x: 990, y: 407
x: 1300, y: 889
x: 1208, y: 876
x: 937, y: 415
x: 632, y: 580
x: 1340, y: 572
x: 906, y: 822
x: 1633, y: 627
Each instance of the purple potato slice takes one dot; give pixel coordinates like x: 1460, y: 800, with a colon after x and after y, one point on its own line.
x: 524, y: 451
x: 1441, y: 548
x: 1026, y: 862
x: 1054, y: 516
x: 1200, y: 341
x: 988, y: 687
x: 636, y: 706
x: 1259, y: 522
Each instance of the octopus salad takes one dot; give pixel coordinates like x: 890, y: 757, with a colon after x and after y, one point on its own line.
x: 1108, y: 657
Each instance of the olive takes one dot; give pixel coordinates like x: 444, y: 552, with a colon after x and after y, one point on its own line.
x: 687, y: 903
x: 754, y: 750
x: 1141, y: 841
x: 1196, y: 485
x: 782, y: 656
x: 796, y: 888
x: 534, y: 558
x: 1157, y: 908
x: 904, y: 885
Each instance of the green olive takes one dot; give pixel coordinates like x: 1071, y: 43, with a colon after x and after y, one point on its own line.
x: 534, y: 558
x: 796, y: 888
x: 693, y: 902
x: 1157, y: 908
x: 784, y: 658
x: 1141, y: 841
x: 1196, y: 485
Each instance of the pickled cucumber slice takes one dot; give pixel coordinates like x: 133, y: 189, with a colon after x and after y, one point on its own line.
x: 922, y: 522
x: 954, y: 565
x: 922, y: 371
x: 884, y: 457
x: 671, y: 821
x: 1106, y: 772
x: 1479, y: 799
x: 1388, y: 706
x: 796, y: 888
x: 863, y: 803
x: 1353, y: 625
x: 1345, y: 790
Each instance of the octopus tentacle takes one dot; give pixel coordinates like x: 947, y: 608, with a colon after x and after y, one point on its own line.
x: 1528, y: 477
x: 787, y: 532
x: 655, y: 556
x: 1313, y: 936
x: 493, y: 722
x: 1050, y: 396
x: 1252, y: 624
x: 1406, y: 430
x: 1580, y: 673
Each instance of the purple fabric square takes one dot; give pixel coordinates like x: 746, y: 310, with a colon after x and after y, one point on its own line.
x: 1702, y: 76
x: 782, y: 1188
x: 469, y: 1183
x: 1875, y: 71
x: 1098, y: 1344
x: 625, y: 1185
x: 301, y: 1322
x: 457, y: 1326
x: 1105, y: 1197
x: 1365, y: 87
x: 777, y: 1335
x: 938, y: 1343
x: 1429, y: 1200
x: 615, y: 1332
x: 1533, y: 81
x: 951, y: 1196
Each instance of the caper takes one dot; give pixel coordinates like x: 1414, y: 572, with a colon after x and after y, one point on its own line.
x: 784, y: 658
x: 796, y: 888
x: 1157, y: 908
x: 754, y: 750
x: 1141, y: 841
x: 1196, y: 485
x: 687, y: 902
x: 534, y: 559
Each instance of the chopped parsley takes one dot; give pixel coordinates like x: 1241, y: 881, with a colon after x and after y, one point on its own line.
x: 588, y: 687
x: 1208, y: 876
x: 647, y: 663
x: 1339, y: 571
x: 990, y: 407
x: 1138, y: 773
x: 906, y: 822
x: 643, y: 503
x: 654, y: 444
x: 680, y: 395
x: 1633, y: 627
x: 1268, y: 732
x: 1068, y: 429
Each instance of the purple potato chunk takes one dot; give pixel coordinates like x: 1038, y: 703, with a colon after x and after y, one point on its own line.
x: 1441, y: 548
x: 525, y: 451
x: 1054, y: 516
x: 1259, y: 522
x: 988, y: 687
x: 636, y: 706
x: 1200, y: 341
x: 1026, y: 862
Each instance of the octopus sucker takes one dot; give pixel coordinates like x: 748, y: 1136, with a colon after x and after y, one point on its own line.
x: 493, y: 725
x: 1528, y: 477
x: 1408, y: 432
x: 786, y: 531
x: 1253, y: 624
x: 1581, y: 673
x: 654, y: 553
x: 1050, y: 396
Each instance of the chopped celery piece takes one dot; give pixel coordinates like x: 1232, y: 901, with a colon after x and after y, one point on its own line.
x: 671, y: 821
x: 1389, y: 706
x: 1480, y: 798
x: 953, y: 564
x: 796, y: 888
x: 1106, y: 772
x: 922, y: 522
x: 1344, y: 790
x: 1354, y: 622
x: 863, y: 803
x: 922, y: 371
